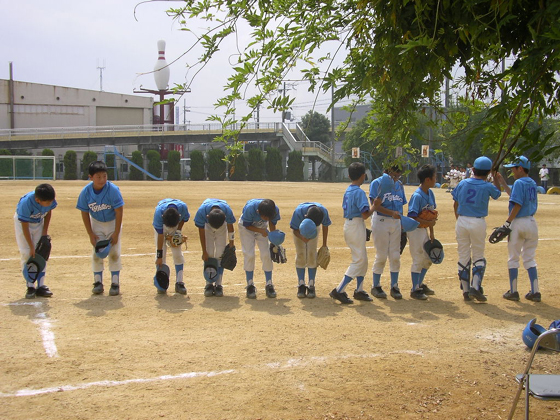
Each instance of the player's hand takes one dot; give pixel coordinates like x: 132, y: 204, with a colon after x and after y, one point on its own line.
x: 32, y: 252
x: 396, y: 215
x: 159, y: 262
x: 114, y: 239
x: 93, y: 239
x: 264, y: 233
x: 204, y: 256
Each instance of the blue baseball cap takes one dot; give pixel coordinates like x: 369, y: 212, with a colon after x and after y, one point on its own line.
x: 102, y: 248
x: 520, y: 161
x: 308, y: 229
x: 483, y: 163
x: 276, y: 237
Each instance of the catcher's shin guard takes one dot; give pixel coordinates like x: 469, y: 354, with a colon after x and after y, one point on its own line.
x: 465, y: 276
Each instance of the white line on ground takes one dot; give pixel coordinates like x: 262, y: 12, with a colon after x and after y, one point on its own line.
x: 44, y: 324
x: 288, y: 364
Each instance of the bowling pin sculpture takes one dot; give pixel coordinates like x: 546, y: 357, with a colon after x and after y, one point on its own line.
x: 161, y: 71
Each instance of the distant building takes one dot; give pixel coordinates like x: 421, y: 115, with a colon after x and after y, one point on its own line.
x: 341, y: 115
x: 38, y: 106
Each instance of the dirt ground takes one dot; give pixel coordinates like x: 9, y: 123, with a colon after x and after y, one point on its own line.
x: 143, y: 356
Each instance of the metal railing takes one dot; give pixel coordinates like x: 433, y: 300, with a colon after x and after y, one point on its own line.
x: 134, y: 130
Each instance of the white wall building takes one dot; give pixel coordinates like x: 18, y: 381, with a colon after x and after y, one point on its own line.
x: 39, y: 106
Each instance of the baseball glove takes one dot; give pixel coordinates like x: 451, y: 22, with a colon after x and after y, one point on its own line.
x: 176, y: 239
x: 500, y: 233
x: 427, y: 214
x: 323, y: 257
x: 404, y: 241
x: 43, y: 247
x: 278, y: 254
x: 229, y: 260
x: 368, y: 234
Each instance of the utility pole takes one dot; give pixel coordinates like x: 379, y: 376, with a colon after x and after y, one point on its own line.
x: 333, y: 168
x: 100, y: 68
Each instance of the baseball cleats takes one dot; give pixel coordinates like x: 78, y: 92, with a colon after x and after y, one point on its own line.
x: 97, y: 288
x: 396, y: 293
x: 219, y: 291
x: 427, y: 291
x: 251, y: 292
x: 535, y: 297
x: 509, y: 295
x: 180, y: 288
x: 43, y: 291
x: 418, y: 294
x: 342, y: 297
x: 209, y: 290
x: 270, y: 292
x: 311, y: 292
x: 302, y: 291
x: 378, y: 292
x: 466, y: 297
x: 115, y: 289
x: 30, y: 294
x: 477, y: 294
x: 362, y: 295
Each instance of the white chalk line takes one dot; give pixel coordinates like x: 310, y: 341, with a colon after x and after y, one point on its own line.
x: 338, y: 248
x: 44, y: 325
x: 288, y: 364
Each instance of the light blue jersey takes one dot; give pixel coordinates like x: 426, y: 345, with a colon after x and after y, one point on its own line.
x: 164, y: 205
x: 524, y: 193
x: 420, y: 201
x: 29, y: 211
x: 394, y: 200
x: 200, y: 218
x: 354, y: 202
x: 250, y: 215
x: 472, y: 196
x: 301, y: 211
x: 101, y: 205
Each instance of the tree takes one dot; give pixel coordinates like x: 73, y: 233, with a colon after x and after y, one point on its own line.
x: 70, y: 165
x: 238, y: 171
x: 197, y: 166
x: 87, y: 158
x: 216, y: 165
x: 295, y: 166
x: 136, y: 174
x: 6, y: 165
x: 154, y: 163
x: 273, y: 164
x: 173, y: 166
x: 47, y: 167
x: 398, y: 53
x: 317, y: 127
x: 255, y: 163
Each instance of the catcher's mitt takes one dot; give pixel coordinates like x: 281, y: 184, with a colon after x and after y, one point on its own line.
x: 278, y: 254
x: 176, y: 239
x: 427, y: 214
x: 500, y: 233
x: 404, y: 241
x: 323, y: 257
x: 43, y: 247
x: 229, y: 260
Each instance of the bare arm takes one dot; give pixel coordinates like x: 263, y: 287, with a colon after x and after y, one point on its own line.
x: 87, y: 225
x: 118, y: 223
x: 202, y: 236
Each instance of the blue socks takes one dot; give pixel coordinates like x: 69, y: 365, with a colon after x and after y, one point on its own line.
x: 360, y: 283
x: 534, y: 279
x: 300, y: 275
x: 376, y: 280
x: 394, y: 279
x: 340, y: 288
x: 268, y: 277
x: 249, y: 277
x: 513, y: 272
x: 415, y: 281
x: 115, y: 277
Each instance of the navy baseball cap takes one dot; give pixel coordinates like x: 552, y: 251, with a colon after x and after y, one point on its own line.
x: 519, y: 161
x: 483, y: 163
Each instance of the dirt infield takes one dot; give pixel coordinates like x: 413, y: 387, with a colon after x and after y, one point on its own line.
x: 143, y: 356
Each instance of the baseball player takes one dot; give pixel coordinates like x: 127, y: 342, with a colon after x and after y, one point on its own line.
x: 305, y: 220
x: 258, y: 215
x: 422, y: 198
x: 170, y: 215
x: 470, y: 204
x: 102, y: 206
x: 386, y: 228
x: 214, y: 220
x: 31, y: 221
x: 356, y: 210
x: 524, y: 235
